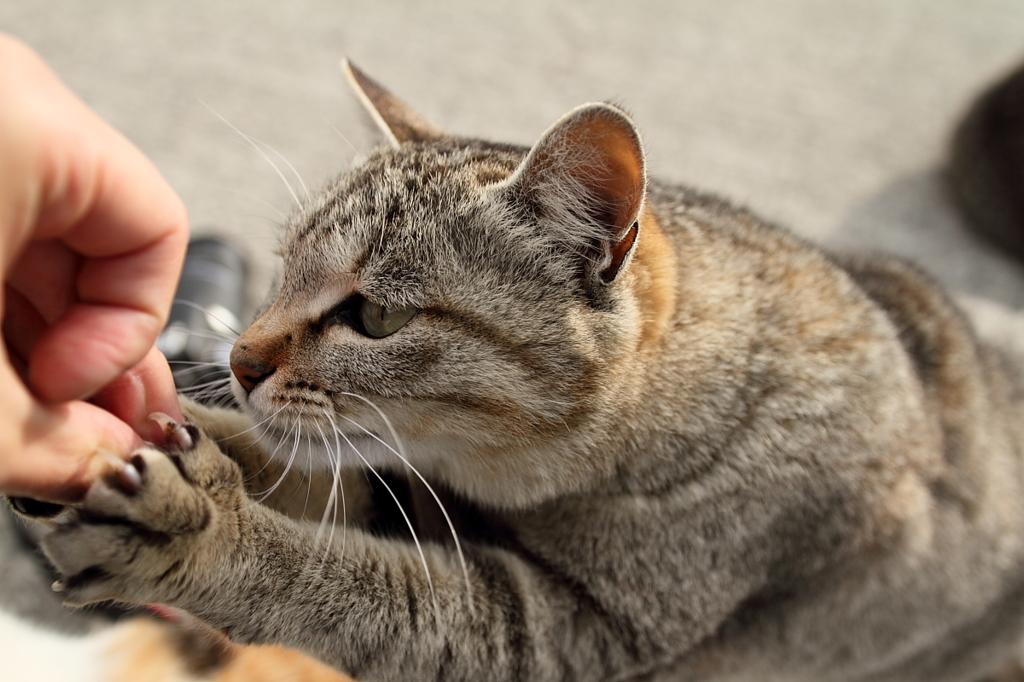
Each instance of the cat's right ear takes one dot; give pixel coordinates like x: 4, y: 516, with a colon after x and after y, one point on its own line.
x: 587, y: 176
x: 395, y: 118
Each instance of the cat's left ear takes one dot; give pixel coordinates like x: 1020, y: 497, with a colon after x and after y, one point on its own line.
x: 395, y: 118
x: 588, y: 173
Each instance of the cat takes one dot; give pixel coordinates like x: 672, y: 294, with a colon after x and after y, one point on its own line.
x: 639, y: 434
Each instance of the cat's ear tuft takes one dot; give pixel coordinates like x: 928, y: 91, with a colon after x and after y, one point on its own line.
x: 588, y: 173
x: 395, y: 118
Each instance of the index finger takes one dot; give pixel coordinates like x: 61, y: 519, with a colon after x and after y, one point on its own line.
x: 95, y: 192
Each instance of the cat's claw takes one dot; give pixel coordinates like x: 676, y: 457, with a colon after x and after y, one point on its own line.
x: 125, y: 476
x: 176, y: 436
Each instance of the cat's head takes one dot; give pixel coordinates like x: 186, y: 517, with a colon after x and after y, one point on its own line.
x: 473, y: 298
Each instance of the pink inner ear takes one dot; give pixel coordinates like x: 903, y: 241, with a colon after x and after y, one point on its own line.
x: 593, y: 157
x: 627, y: 181
x: 612, y: 167
x: 615, y: 176
x: 619, y: 250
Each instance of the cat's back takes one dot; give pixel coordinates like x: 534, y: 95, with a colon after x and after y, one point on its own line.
x: 879, y: 435
x: 798, y: 336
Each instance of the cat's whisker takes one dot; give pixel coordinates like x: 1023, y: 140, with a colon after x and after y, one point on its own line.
x: 182, y: 366
x: 189, y: 364
x: 341, y: 488
x: 309, y: 467
x: 286, y: 162
x: 272, y: 456
x: 269, y: 205
x: 321, y: 538
x: 297, y: 423
x: 259, y: 151
x: 278, y: 443
x: 229, y: 325
x: 302, y: 474
x: 341, y: 135
x: 272, y: 450
x: 220, y: 382
x: 211, y: 335
x: 227, y: 399
x: 210, y: 373
x: 210, y: 390
x: 179, y: 368
x: 401, y: 510
x: 260, y: 438
x: 299, y: 438
x: 210, y: 396
x: 252, y: 145
x: 323, y: 520
x: 221, y: 399
x: 265, y: 420
x: 331, y: 508
x: 274, y: 223
x: 400, y: 454
x: 213, y: 384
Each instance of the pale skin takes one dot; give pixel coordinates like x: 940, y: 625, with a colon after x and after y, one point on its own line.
x: 91, y: 244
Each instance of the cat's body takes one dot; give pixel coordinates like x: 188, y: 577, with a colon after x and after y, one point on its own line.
x: 678, y: 443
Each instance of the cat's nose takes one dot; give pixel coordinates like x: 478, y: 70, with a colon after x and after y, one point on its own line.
x: 250, y: 374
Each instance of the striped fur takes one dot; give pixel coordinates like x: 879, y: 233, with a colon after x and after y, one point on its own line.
x: 675, y: 441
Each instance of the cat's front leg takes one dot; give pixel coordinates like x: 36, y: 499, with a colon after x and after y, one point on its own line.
x: 184, y: 533
x: 153, y: 529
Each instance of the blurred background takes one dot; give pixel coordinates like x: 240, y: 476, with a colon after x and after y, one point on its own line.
x: 831, y: 118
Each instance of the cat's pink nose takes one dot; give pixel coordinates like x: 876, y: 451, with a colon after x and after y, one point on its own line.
x: 250, y: 374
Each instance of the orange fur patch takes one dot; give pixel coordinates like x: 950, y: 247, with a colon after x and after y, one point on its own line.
x: 146, y: 651
x: 655, y: 265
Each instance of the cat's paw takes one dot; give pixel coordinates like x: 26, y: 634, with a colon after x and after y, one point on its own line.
x: 150, y: 527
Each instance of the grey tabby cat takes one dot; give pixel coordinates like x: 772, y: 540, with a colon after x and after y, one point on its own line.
x: 675, y: 442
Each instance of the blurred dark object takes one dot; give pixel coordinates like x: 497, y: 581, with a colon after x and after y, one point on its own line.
x: 206, y: 317
x: 986, y: 172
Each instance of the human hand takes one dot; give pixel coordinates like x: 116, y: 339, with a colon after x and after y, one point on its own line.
x: 91, y: 243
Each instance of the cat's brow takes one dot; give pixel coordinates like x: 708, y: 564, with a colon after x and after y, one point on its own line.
x: 315, y: 303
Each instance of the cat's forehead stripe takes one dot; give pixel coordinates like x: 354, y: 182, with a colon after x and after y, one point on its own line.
x: 416, y: 181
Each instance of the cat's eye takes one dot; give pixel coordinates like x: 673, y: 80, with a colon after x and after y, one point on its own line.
x: 379, y: 321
